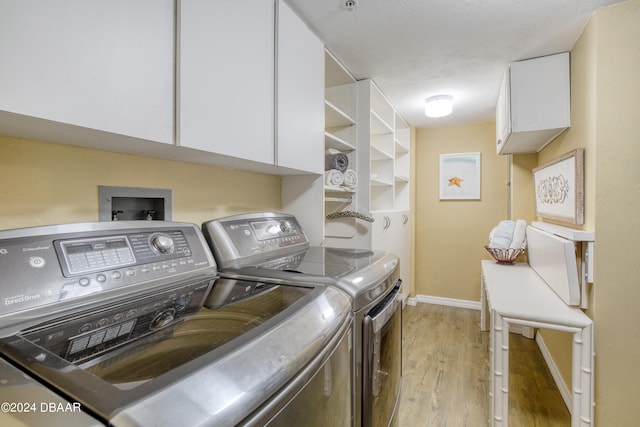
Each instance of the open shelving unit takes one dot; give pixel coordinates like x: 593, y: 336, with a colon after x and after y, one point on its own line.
x: 341, y: 135
x: 402, y: 162
x: 389, y: 150
x: 361, y: 123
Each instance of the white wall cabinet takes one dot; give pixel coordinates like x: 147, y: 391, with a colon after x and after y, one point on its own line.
x: 534, y: 104
x: 104, y: 66
x: 226, y: 77
x: 103, y: 75
x: 230, y: 100
x: 300, y: 94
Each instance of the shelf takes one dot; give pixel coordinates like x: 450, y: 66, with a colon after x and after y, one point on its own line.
x: 565, y: 232
x: 335, y: 118
x: 378, y: 154
x: 382, y: 108
x: 332, y: 140
x: 343, y: 190
x: 341, y: 200
x: 382, y: 197
x: 378, y: 125
x: 400, y: 148
x: 335, y: 73
x: 401, y: 179
x: 379, y: 182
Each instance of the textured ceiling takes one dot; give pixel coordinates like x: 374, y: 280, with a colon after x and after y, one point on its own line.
x: 414, y: 49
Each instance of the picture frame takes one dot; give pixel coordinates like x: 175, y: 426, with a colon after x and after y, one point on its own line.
x: 460, y: 176
x: 559, y: 188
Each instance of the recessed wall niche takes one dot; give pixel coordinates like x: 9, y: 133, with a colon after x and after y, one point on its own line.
x: 134, y: 203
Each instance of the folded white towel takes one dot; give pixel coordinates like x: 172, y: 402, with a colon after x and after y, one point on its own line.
x: 334, y: 177
x: 350, y: 178
x: 519, y: 240
x: 502, y: 235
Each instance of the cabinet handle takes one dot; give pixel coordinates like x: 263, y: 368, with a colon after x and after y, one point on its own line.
x: 387, y: 222
x: 405, y: 219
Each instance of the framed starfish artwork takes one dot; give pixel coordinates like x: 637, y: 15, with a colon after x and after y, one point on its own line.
x: 460, y: 176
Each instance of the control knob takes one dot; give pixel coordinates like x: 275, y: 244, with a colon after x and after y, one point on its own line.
x: 162, y: 319
x: 285, y: 227
x: 162, y: 243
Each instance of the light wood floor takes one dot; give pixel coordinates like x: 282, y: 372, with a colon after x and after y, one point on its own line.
x: 446, y: 374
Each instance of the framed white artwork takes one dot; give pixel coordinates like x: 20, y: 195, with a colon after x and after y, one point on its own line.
x: 460, y: 176
x: 559, y: 187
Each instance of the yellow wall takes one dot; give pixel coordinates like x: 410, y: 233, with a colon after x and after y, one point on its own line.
x: 605, y: 90
x: 451, y: 234
x: 617, y: 216
x: 43, y: 183
x: 523, y: 202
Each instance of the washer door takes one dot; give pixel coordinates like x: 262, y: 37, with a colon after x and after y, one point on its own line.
x: 382, y: 361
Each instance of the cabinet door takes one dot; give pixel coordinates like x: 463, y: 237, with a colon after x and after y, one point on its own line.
x: 105, y: 65
x: 226, y: 77
x: 382, y: 231
x: 392, y: 233
x: 300, y: 94
x: 403, y: 247
x: 503, y: 112
x: 541, y: 93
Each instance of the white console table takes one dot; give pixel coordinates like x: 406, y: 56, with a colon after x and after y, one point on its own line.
x: 516, y: 295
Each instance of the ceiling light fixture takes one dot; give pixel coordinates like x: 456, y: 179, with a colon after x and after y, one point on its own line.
x: 439, y: 106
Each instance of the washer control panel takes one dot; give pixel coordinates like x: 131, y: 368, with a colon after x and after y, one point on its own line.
x: 89, y: 334
x: 80, y: 256
x: 52, y: 264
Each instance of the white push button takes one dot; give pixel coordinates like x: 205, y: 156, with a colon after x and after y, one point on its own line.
x: 37, y: 262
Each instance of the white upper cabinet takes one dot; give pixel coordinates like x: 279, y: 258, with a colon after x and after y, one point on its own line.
x: 230, y: 99
x: 300, y: 94
x: 534, y: 104
x: 100, y: 65
x: 226, y: 77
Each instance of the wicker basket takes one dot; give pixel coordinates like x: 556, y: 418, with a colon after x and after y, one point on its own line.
x: 504, y: 256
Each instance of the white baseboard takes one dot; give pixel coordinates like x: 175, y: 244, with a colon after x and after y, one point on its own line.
x: 555, y: 373
x: 460, y: 303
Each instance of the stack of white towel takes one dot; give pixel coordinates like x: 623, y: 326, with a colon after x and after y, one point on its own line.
x: 509, y: 235
x: 335, y: 178
x: 337, y: 173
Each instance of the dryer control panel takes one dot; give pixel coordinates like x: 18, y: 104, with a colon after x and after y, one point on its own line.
x: 243, y: 240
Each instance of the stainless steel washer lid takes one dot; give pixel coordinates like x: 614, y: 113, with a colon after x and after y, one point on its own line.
x: 364, y: 275
x: 38, y: 405
x: 267, y: 245
x: 220, y: 387
x: 222, y: 393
